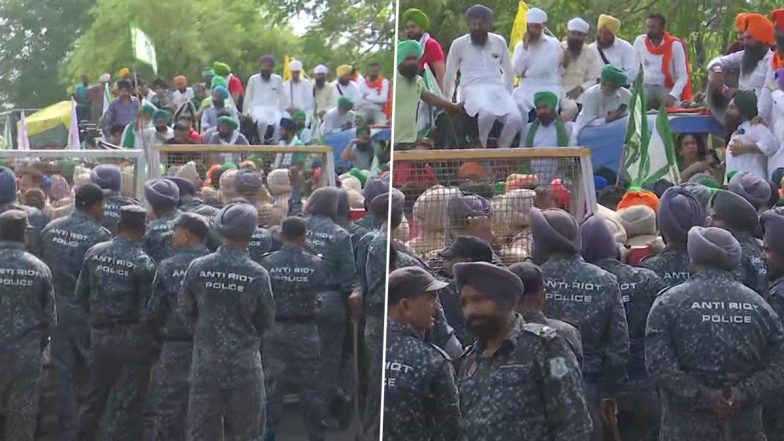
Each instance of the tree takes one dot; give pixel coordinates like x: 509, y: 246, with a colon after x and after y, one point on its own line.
x: 36, y: 36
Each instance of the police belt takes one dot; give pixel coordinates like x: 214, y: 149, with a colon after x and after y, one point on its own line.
x: 113, y: 324
x: 296, y: 319
x: 375, y: 310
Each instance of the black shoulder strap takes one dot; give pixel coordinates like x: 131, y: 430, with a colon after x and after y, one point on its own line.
x: 601, y: 54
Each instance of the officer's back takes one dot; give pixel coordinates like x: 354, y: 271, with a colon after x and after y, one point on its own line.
x: 109, y: 178
x: 37, y: 218
x: 163, y: 196
x: 329, y: 240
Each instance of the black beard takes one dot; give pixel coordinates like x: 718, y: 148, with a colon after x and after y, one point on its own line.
x: 343, y: 82
x: 608, y: 44
x: 410, y: 72
x: 373, y: 77
x: 575, y: 46
x: 546, y: 120
x: 224, y: 137
x: 266, y: 75
x: 479, y: 38
x: 485, y: 327
x: 413, y: 36
x: 364, y: 147
x: 752, y: 55
x: 320, y: 83
x: 655, y: 37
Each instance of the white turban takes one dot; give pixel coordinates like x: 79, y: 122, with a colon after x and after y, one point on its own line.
x: 578, y: 25
x: 320, y: 69
x: 295, y: 66
x: 536, y: 16
x: 105, y: 78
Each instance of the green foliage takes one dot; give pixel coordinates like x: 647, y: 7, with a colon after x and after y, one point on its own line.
x: 707, y: 26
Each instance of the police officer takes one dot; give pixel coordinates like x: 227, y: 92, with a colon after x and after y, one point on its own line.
x: 27, y: 318
x: 713, y: 347
x: 638, y: 407
x: 291, y: 347
x: 109, y: 178
x: 736, y: 215
x: 518, y: 380
x: 169, y: 397
x: 227, y: 299
x: 36, y: 217
x: 189, y: 203
x: 420, y: 399
x: 587, y: 297
x: 463, y: 249
x: 531, y: 307
x: 333, y: 243
x: 679, y: 210
x: 248, y: 185
x: 374, y: 187
x: 162, y: 195
x: 65, y: 242
x: 113, y: 287
x: 773, y: 242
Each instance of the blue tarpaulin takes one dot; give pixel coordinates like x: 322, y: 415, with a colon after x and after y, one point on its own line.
x: 606, y: 142
x: 339, y: 141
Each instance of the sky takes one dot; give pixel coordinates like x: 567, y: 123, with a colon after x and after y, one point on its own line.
x: 300, y: 23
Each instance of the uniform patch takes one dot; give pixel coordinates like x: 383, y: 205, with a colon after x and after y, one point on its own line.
x: 558, y: 368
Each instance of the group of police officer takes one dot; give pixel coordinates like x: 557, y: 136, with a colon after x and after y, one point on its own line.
x: 578, y: 345
x: 173, y: 310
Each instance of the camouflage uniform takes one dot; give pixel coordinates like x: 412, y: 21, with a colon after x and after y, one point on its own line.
x: 570, y: 334
x: 157, y: 239
x: 65, y: 242
x: 702, y: 336
x: 38, y: 220
x: 333, y: 244
x: 530, y: 388
x: 169, y: 391
x: 291, y: 347
x: 113, y: 287
x: 773, y: 411
x: 752, y: 271
x: 638, y: 404
x: 671, y: 265
x: 449, y: 298
x: 227, y: 299
x: 589, y: 298
x: 196, y: 205
x: 111, y: 210
x: 27, y: 318
x: 420, y: 399
x: 261, y: 244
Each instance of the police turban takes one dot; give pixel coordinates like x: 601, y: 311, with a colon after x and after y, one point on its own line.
x: 185, y: 186
x: 7, y: 185
x: 107, y: 176
x: 498, y: 284
x: 773, y: 223
x: 161, y: 193
x: 713, y: 247
x: 555, y: 231
x: 598, y: 240
x: 323, y: 202
x: 752, y: 188
x: 680, y: 210
x: 736, y: 212
x: 237, y: 221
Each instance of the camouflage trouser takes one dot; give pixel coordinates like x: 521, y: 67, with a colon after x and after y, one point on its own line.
x: 593, y: 397
x: 20, y: 373
x: 117, y: 369
x: 69, y: 349
x: 331, y: 320
x: 374, y: 341
x: 240, y: 406
x: 169, y: 391
x: 638, y: 413
x: 291, y: 357
x: 773, y: 417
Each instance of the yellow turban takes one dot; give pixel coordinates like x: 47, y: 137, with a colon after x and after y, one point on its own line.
x: 124, y: 73
x: 343, y: 70
x: 611, y: 23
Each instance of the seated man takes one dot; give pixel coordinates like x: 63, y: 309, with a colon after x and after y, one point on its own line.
x: 605, y: 102
x: 181, y: 135
x: 227, y: 133
x: 548, y: 129
x: 340, y: 118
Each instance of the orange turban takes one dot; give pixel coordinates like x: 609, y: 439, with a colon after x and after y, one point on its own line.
x: 778, y: 18
x: 741, y: 22
x: 760, y: 29
x: 472, y: 170
x: 180, y: 81
x: 638, y: 196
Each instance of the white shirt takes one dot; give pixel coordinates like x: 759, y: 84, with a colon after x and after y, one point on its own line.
x: 263, y: 93
x: 299, y: 95
x: 334, y: 121
x: 180, y: 98
x: 754, y: 163
x: 764, y: 100
x: 596, y: 105
x: 652, y: 66
x: 620, y: 55
x: 370, y: 98
x: 547, y: 136
x: 540, y: 64
x: 583, y: 71
x: 478, y: 65
x: 750, y: 80
x: 350, y: 91
x: 777, y: 127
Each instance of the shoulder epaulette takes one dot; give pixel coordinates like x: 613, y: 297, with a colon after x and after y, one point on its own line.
x: 540, y: 330
x: 441, y: 351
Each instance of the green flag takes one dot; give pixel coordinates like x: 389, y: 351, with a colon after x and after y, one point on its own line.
x: 143, y: 50
x: 426, y: 115
x: 660, y: 152
x: 637, y: 134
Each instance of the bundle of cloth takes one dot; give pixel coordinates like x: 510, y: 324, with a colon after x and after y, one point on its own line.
x: 431, y: 216
x: 511, y: 223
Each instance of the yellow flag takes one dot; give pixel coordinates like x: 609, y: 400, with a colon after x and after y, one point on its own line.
x: 286, y: 70
x: 519, y: 26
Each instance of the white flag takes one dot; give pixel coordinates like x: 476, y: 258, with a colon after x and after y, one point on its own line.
x: 73, y: 130
x: 22, y: 139
x: 143, y: 49
x: 107, y: 98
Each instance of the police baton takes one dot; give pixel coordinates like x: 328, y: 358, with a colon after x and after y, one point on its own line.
x: 357, y: 416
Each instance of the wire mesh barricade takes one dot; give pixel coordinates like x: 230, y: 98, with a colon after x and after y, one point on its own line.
x: 487, y: 193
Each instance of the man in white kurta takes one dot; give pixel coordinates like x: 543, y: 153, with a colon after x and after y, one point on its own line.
x: 667, y: 87
x: 581, y: 65
x: 613, y: 49
x: 297, y: 94
x: 340, y: 118
x: 752, y: 144
x: 543, y: 131
x: 345, y: 85
x: 537, y: 60
x: 373, y: 96
x: 776, y: 160
x: 486, y: 77
x: 323, y: 90
x: 604, y: 103
x: 263, y: 98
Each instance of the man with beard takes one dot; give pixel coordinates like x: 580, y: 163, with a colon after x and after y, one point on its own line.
x: 209, y: 119
x: 297, y: 93
x: 751, y: 144
x: 776, y: 64
x: 754, y: 60
x: 537, y: 60
x: 486, y: 77
x: 612, y: 49
x: 361, y: 151
x: 409, y: 90
x: 345, y: 87
x: 263, y: 100
x: 666, y: 72
x: 228, y: 133
x: 773, y: 242
x: 339, y: 118
x: 548, y: 129
x: 417, y: 26
x: 518, y: 380
x: 323, y: 92
x: 605, y: 102
x: 581, y: 66
x: 374, y: 96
